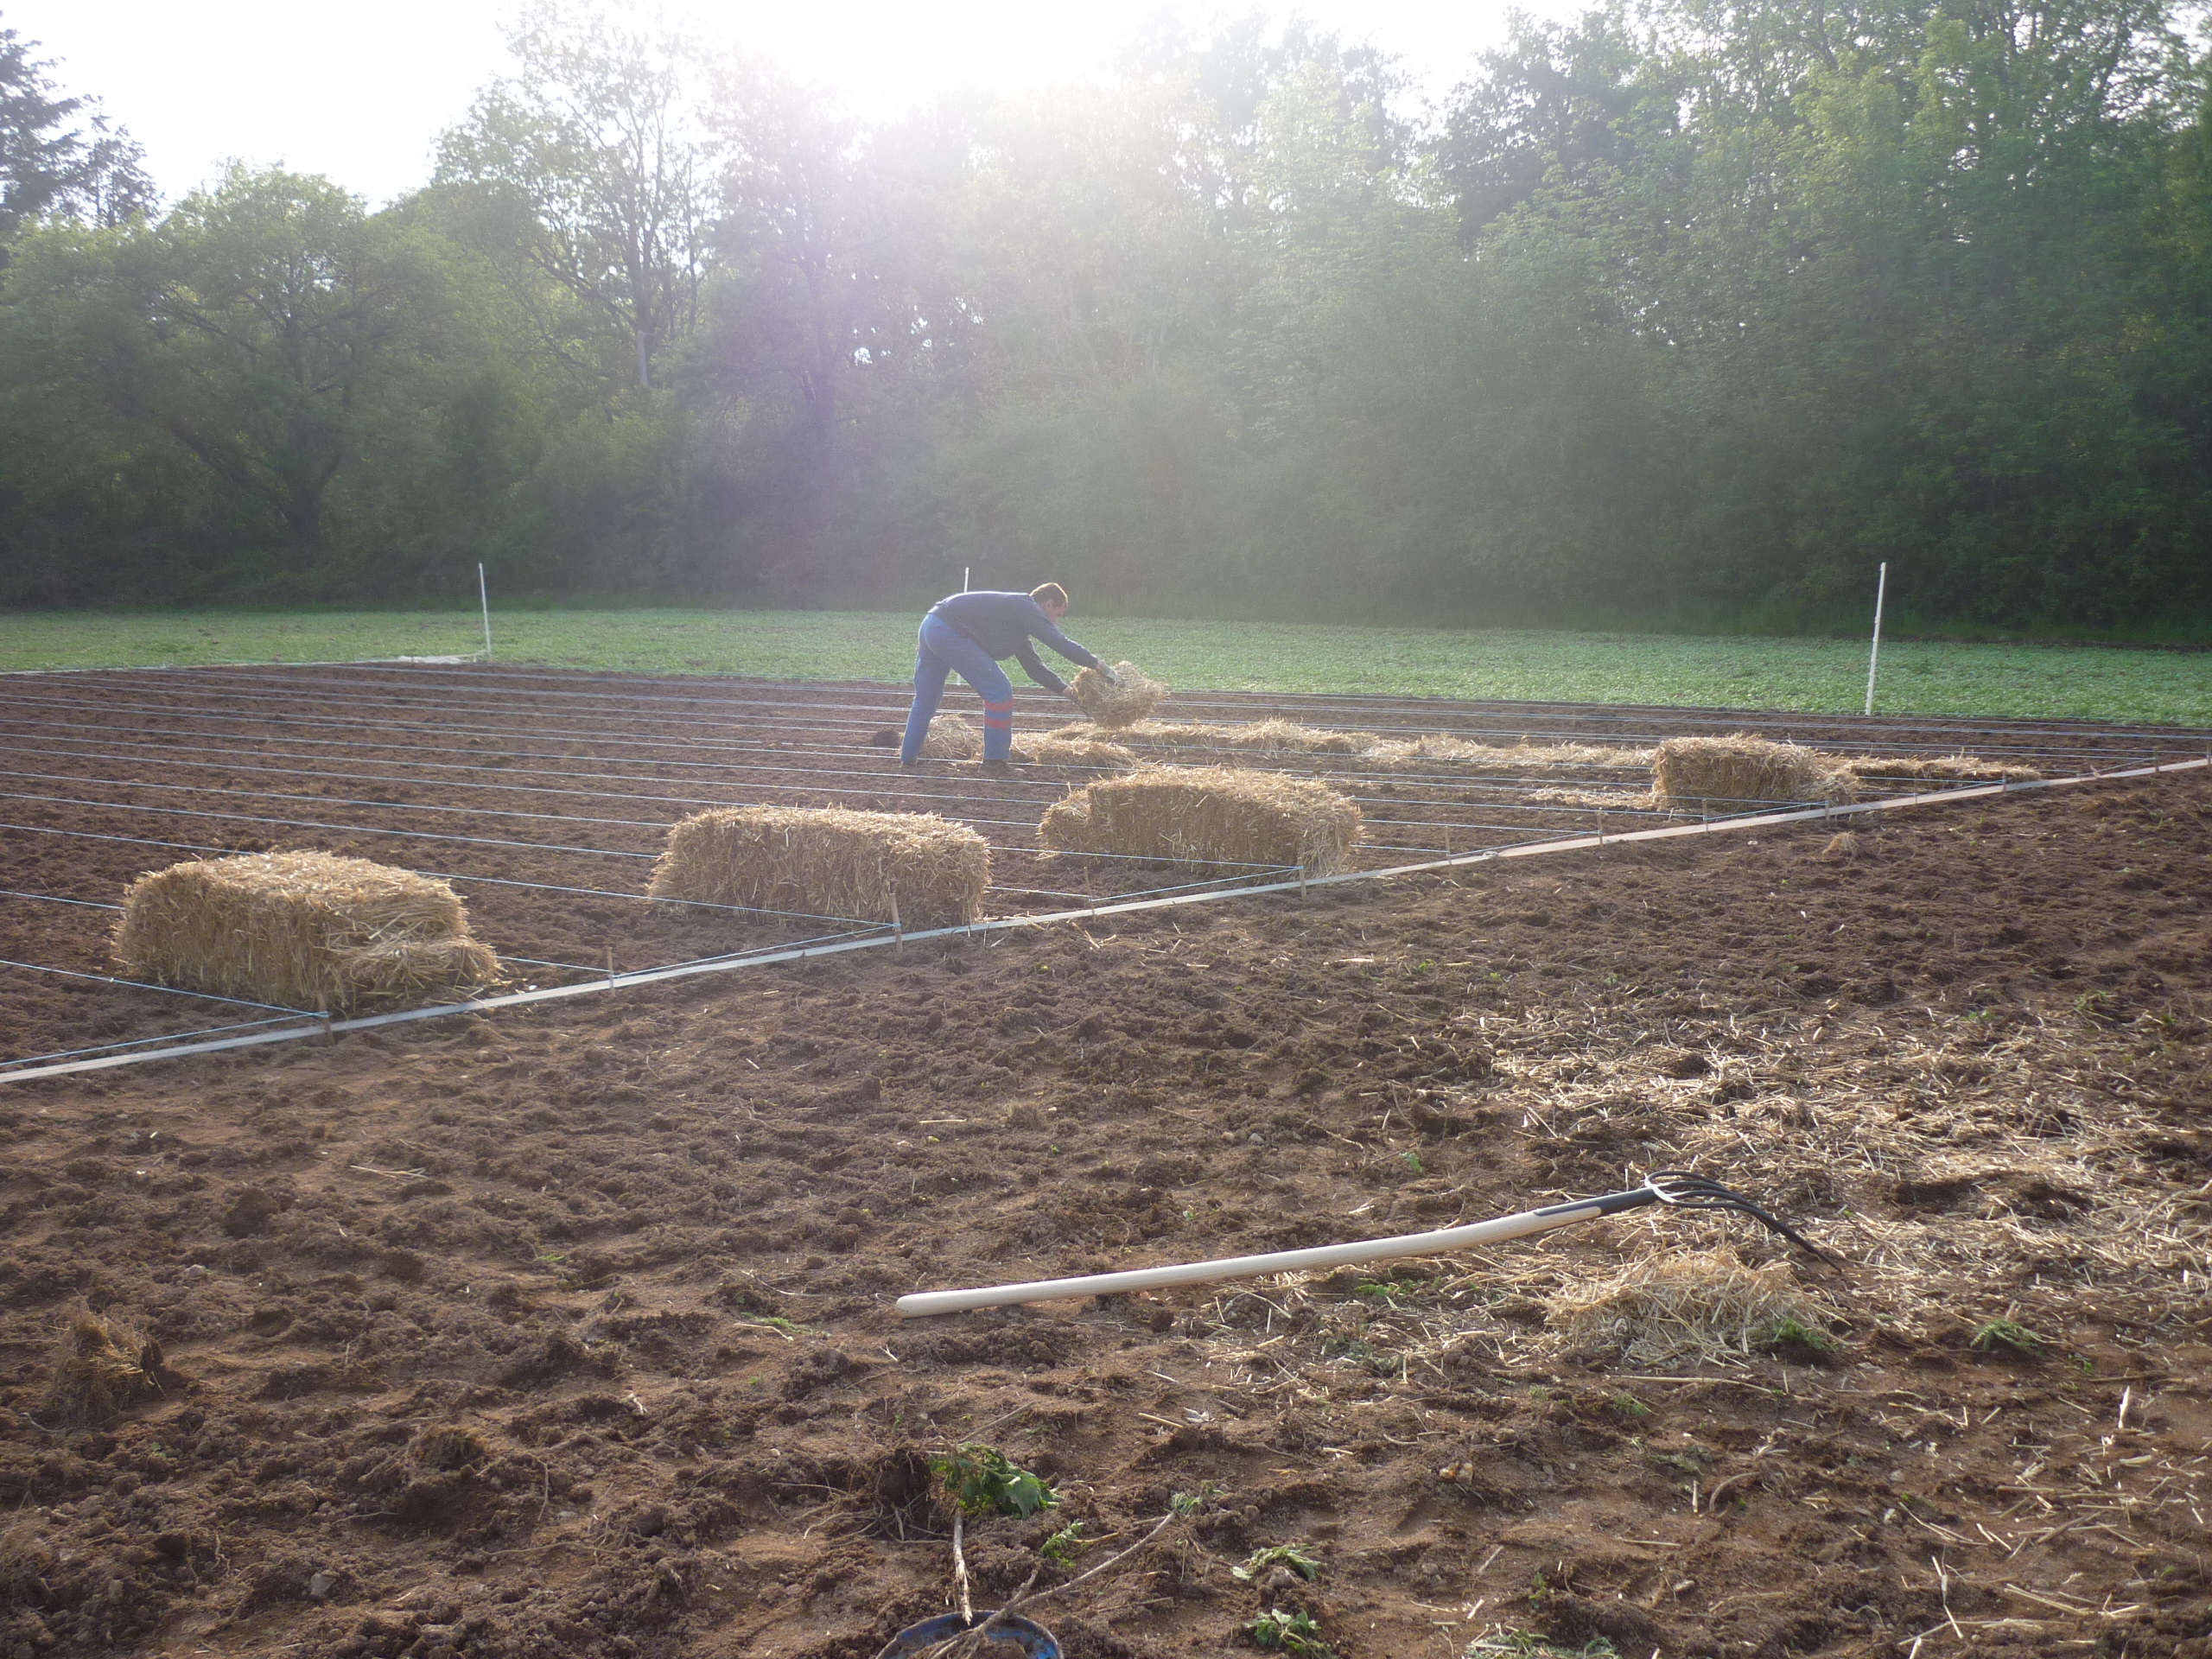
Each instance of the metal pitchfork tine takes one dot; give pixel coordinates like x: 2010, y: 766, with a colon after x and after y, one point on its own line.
x: 1687, y: 1190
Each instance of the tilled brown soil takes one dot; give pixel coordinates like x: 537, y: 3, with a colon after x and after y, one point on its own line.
x: 570, y: 1332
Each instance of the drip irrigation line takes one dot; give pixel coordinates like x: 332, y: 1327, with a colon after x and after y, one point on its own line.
x: 470, y: 670
x: 395, y: 678
x: 769, y: 710
x: 56, y: 898
x: 141, y: 1042
x: 511, y: 734
x: 228, y: 793
x: 440, y: 875
x: 557, y: 992
x: 904, y: 783
x: 172, y: 990
x: 504, y: 778
x: 373, y: 829
x: 300, y: 824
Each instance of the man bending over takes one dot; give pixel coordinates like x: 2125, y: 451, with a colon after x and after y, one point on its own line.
x: 970, y: 635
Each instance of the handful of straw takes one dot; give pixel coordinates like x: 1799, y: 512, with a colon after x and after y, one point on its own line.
x: 1128, y: 698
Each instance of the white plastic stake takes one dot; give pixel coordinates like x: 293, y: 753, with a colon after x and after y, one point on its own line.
x: 1873, y: 657
x: 964, y: 578
x: 484, y: 598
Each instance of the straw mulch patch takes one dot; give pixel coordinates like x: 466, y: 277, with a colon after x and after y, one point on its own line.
x: 1208, y: 815
x: 1730, y: 774
x: 1876, y: 771
x: 952, y: 737
x: 1114, y: 705
x: 1224, y: 744
x: 913, y: 868
x: 299, y: 931
x: 100, y: 1370
x: 1054, y: 750
x: 1699, y: 1305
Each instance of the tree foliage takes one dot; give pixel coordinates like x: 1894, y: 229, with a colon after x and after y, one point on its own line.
x: 1690, y: 313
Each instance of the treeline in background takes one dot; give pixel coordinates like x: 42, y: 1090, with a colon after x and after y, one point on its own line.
x: 1680, y: 317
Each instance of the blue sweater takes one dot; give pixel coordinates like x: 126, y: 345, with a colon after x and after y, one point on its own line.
x: 1004, y: 624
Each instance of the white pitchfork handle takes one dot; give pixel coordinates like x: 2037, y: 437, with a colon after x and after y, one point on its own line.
x: 925, y: 1303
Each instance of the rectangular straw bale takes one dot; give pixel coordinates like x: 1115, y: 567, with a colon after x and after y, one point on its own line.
x: 1732, y: 772
x: 1209, y: 814
x: 913, y: 867
x: 1129, y: 699
x: 299, y: 930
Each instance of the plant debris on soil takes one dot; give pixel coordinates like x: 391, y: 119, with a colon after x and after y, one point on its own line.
x: 570, y: 1332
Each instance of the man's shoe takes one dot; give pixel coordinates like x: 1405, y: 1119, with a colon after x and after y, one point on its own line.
x: 1000, y: 768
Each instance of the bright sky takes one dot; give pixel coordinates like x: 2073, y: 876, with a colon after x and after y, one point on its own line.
x: 361, y: 92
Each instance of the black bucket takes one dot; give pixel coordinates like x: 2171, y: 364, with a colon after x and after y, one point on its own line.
x: 1016, y: 1636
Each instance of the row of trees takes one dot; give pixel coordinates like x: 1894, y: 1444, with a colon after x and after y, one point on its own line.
x: 1686, y: 315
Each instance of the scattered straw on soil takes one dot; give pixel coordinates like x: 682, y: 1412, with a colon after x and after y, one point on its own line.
x: 1429, y: 753
x: 299, y: 930
x: 1130, y: 698
x: 1200, y: 815
x: 1701, y: 1305
x: 911, y: 868
x: 952, y: 737
x: 1432, y: 751
x: 1841, y: 848
x: 1729, y: 772
x: 1054, y: 750
x: 1940, y: 770
x: 98, y: 1372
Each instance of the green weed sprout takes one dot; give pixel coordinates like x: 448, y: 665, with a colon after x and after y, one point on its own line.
x: 2007, y: 1334
x: 1789, y: 1332
x: 1293, y: 1632
x: 980, y: 1480
x: 1187, y: 1505
x: 1287, y: 1555
x: 1063, y: 1546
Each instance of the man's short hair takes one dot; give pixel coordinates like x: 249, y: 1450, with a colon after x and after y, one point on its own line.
x: 1050, y: 594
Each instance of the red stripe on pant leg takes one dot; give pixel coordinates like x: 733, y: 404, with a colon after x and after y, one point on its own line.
x: 999, y: 715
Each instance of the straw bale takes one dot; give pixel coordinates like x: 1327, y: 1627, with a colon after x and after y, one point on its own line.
x: 299, y: 930
x: 1129, y: 699
x: 99, y: 1369
x: 1733, y: 772
x: 1697, y: 1304
x: 913, y: 867
x: 1208, y: 814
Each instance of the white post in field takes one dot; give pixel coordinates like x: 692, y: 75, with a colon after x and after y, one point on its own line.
x: 1874, y: 656
x: 483, y: 598
x: 964, y: 578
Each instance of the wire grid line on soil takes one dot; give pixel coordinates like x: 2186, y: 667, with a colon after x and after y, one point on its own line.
x: 1631, y: 801
x: 979, y: 929
x: 770, y: 710
x: 1675, y: 718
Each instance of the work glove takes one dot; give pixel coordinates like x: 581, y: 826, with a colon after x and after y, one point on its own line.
x: 1108, y: 675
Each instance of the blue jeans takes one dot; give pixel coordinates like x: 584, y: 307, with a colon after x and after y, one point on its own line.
x: 940, y: 649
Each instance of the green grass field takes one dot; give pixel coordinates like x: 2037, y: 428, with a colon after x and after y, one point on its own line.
x: 1812, y: 674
